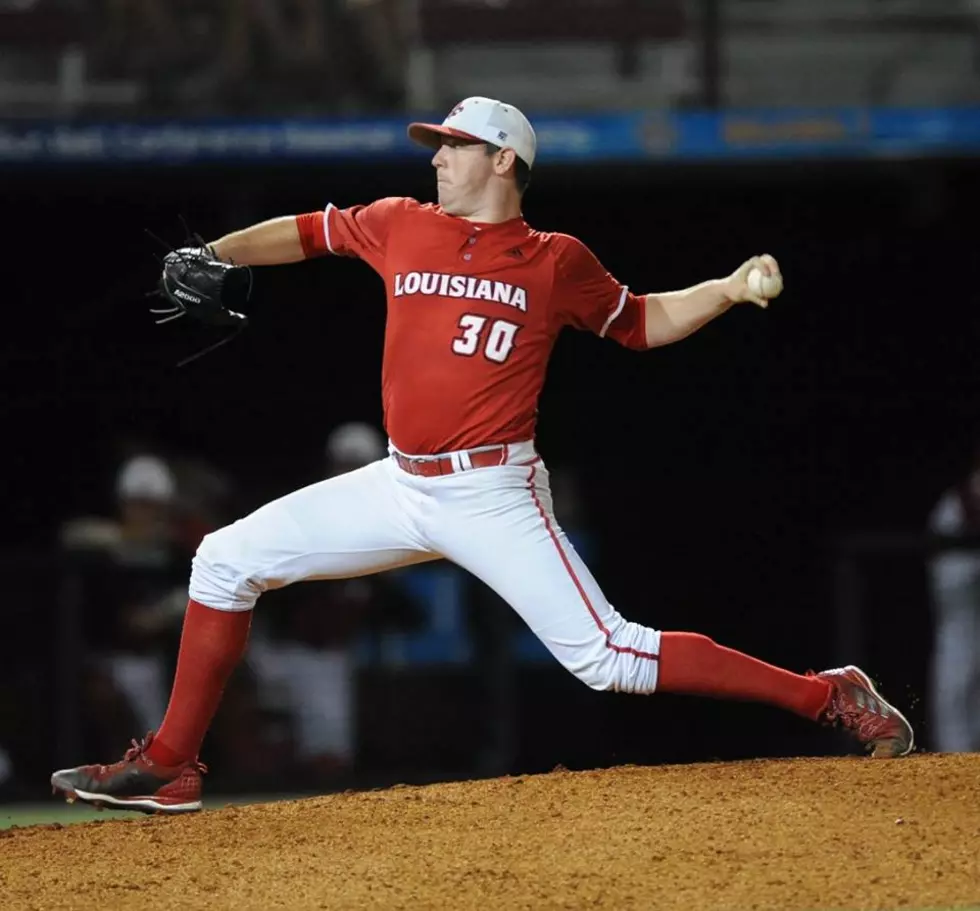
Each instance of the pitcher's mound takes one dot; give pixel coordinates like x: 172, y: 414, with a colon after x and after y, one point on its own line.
x: 792, y: 835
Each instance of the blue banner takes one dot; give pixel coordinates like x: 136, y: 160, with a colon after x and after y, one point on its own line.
x: 632, y: 137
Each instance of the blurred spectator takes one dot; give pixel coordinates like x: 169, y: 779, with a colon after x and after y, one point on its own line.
x: 6, y: 773
x: 383, y: 28
x: 134, y: 568
x: 138, y: 37
x: 269, y: 37
x: 569, y: 508
x: 206, y: 500
x: 353, y: 446
x: 329, y: 54
x: 211, y: 56
x: 302, y: 648
x: 134, y: 575
x: 955, y: 584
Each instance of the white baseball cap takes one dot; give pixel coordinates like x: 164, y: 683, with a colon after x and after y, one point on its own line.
x: 356, y: 442
x: 146, y: 477
x: 484, y: 120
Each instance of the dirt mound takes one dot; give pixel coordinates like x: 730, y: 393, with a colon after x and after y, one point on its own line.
x: 785, y: 834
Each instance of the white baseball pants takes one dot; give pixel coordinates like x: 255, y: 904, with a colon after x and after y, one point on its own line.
x: 495, y: 522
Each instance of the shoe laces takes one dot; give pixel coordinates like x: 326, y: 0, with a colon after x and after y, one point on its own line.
x: 137, y: 750
x: 862, y: 721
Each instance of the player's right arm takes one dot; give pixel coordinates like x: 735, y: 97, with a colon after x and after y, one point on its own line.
x: 269, y: 243
x: 360, y: 231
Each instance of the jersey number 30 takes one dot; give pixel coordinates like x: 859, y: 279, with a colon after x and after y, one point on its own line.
x: 499, y: 341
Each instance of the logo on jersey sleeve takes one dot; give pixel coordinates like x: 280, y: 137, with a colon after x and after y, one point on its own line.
x: 467, y: 287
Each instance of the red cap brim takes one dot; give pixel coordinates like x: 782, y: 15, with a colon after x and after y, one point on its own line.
x: 430, y: 134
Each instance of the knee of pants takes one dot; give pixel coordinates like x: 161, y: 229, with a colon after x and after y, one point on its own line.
x: 596, y: 675
x: 622, y: 664
x: 619, y: 674
x: 220, y: 577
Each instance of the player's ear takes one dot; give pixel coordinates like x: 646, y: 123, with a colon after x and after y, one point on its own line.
x: 503, y: 161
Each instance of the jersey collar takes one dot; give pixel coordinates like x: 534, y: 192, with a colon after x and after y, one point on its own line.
x: 486, y: 226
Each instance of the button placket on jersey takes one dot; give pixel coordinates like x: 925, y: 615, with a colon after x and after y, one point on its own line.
x: 469, y: 243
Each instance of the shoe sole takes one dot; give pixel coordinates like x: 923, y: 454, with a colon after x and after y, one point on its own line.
x: 138, y: 804
x: 870, y: 685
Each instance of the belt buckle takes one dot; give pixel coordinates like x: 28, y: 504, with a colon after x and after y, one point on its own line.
x: 442, y: 465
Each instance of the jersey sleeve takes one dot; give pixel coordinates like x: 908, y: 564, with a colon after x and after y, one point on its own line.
x: 589, y: 298
x: 360, y: 231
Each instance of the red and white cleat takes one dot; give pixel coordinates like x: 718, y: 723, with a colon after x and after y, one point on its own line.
x: 857, y: 706
x: 134, y: 783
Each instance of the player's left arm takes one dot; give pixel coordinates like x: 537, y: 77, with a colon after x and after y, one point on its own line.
x: 673, y: 315
x: 589, y: 297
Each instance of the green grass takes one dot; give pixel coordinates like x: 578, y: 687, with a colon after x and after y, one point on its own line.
x: 40, y: 814
x: 57, y: 811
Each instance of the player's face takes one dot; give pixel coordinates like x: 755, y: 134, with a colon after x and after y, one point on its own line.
x: 463, y: 170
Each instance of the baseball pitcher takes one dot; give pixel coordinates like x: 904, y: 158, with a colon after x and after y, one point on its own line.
x: 476, y: 298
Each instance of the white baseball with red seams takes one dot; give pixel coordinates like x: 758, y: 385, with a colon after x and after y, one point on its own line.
x: 496, y: 522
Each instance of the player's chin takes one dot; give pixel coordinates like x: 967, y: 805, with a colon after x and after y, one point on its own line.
x: 446, y: 199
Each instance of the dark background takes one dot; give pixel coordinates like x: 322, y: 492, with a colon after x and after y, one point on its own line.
x: 718, y: 472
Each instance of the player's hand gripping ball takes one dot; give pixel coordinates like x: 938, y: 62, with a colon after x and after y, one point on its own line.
x: 758, y: 280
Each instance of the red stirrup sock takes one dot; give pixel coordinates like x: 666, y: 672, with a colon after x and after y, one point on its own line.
x: 694, y: 664
x: 211, y: 645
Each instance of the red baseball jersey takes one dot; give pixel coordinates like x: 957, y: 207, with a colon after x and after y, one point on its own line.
x: 473, y: 313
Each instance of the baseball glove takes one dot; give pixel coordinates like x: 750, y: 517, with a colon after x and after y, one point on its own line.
x: 197, y: 284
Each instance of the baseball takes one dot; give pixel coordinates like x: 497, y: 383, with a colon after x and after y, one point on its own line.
x: 765, y: 286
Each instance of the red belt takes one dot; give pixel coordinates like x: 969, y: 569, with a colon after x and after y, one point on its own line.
x: 431, y: 468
